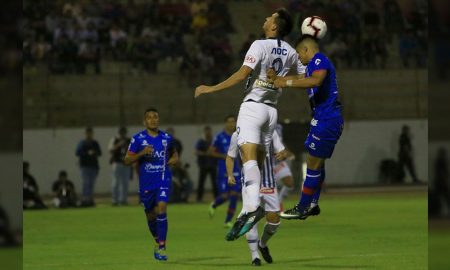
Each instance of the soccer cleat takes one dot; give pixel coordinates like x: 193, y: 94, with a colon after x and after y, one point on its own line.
x: 265, y: 253
x: 313, y: 211
x: 228, y: 225
x: 294, y: 213
x: 251, y: 219
x: 256, y: 262
x: 211, y: 210
x: 233, y: 233
x: 161, y: 254
x: 156, y: 251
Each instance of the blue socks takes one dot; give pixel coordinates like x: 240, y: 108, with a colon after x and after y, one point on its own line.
x: 153, y: 230
x: 161, y: 222
x: 231, y: 208
x: 219, y: 200
x: 311, y: 184
x: 316, y: 195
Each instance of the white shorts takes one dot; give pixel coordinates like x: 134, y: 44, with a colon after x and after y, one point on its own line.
x: 281, y: 170
x: 269, y: 200
x: 256, y: 123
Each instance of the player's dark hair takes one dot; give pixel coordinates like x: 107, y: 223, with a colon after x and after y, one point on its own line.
x: 228, y: 117
x: 63, y: 173
x: 284, y: 22
x: 151, y: 109
x: 89, y: 129
x: 305, y: 37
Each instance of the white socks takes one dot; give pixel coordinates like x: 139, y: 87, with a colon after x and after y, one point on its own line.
x: 252, y: 179
x: 252, y: 240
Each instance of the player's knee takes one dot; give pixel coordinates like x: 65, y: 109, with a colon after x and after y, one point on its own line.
x: 162, y: 208
x: 314, y: 163
x: 288, y: 181
x: 272, y: 217
x: 151, y: 215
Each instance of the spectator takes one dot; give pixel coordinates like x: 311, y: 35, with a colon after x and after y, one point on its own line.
x: 206, y: 163
x: 118, y: 41
x: 181, y: 183
x: 405, y: 154
x: 88, y: 53
x: 31, y: 197
x: 63, y: 56
x: 146, y: 54
x: 176, y: 143
x: 88, y: 151
x: 409, y: 48
x: 118, y: 147
x: 64, y: 191
x: 6, y: 236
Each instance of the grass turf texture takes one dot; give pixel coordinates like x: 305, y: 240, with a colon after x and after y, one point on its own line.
x: 366, y: 231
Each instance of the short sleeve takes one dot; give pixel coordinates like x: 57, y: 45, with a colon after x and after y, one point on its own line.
x: 277, y: 143
x: 321, y: 63
x: 233, y: 149
x: 254, y: 55
x: 134, y: 146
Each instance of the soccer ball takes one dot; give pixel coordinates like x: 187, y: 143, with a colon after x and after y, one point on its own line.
x: 314, y: 26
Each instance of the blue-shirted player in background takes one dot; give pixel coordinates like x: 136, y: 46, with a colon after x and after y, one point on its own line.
x: 326, y: 125
x: 219, y: 149
x: 153, y: 150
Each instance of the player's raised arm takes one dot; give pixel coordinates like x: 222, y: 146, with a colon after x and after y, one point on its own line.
x: 234, y: 79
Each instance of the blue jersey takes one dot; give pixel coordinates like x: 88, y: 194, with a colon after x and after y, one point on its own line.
x: 221, y: 143
x: 153, y: 169
x: 324, y: 99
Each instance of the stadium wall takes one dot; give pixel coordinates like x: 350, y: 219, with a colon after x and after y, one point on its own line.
x: 355, y: 162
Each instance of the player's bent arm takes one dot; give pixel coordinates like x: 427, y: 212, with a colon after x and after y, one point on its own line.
x: 173, y: 159
x: 229, y: 164
x: 131, y: 157
x: 315, y: 80
x: 234, y: 79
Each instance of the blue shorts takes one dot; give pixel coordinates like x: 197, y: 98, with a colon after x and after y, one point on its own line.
x: 222, y: 183
x: 323, y: 136
x: 150, y: 198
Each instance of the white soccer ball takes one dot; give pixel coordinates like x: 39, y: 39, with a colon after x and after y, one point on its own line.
x: 314, y: 26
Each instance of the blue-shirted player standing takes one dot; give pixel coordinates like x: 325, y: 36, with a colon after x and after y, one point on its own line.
x: 326, y: 125
x: 153, y: 150
x: 219, y: 149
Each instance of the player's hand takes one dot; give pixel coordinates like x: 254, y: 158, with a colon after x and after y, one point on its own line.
x: 279, y: 82
x: 283, y: 155
x: 148, y: 150
x: 231, y: 181
x: 271, y: 75
x: 202, y: 89
x: 172, y: 162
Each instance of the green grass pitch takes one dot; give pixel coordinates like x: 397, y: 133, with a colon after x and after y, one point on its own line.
x: 357, y: 231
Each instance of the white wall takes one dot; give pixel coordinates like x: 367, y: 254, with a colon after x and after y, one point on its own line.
x: 11, y: 187
x: 355, y: 161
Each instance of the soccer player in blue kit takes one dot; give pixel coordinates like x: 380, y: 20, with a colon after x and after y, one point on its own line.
x: 153, y: 150
x: 219, y: 149
x: 326, y: 125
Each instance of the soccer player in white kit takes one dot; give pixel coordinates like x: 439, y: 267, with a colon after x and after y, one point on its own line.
x: 258, y: 114
x: 268, y: 194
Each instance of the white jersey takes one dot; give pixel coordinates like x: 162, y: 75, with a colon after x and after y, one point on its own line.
x: 268, y: 54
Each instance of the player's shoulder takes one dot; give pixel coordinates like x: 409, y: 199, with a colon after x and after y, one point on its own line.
x: 139, y: 136
x: 165, y: 135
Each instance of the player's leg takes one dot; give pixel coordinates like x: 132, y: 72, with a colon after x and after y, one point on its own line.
x: 148, y: 202
x: 272, y: 207
x: 311, y: 184
x: 232, y: 198
x: 283, y: 175
x: 221, y: 198
x: 162, y: 226
x: 314, y: 209
x: 252, y: 241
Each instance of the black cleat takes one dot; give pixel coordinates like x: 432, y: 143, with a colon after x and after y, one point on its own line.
x: 256, y: 262
x: 265, y: 253
x: 251, y: 219
x: 294, y: 213
x: 233, y: 233
x: 313, y: 211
